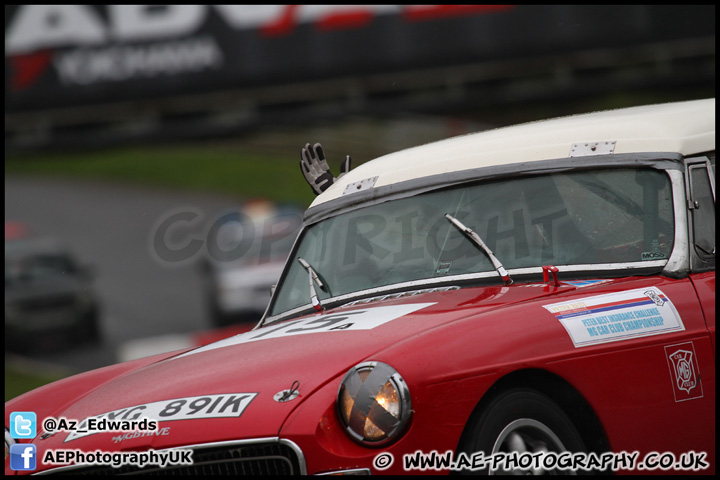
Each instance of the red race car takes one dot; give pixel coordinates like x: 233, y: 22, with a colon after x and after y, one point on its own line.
x: 531, y: 299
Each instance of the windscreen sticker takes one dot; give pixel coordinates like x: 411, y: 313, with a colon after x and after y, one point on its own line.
x: 364, y: 319
x: 617, y: 316
x: 186, y: 408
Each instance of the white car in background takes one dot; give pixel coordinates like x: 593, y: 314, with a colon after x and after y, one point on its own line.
x: 245, y: 259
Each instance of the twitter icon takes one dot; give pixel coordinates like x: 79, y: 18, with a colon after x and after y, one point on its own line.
x: 23, y: 424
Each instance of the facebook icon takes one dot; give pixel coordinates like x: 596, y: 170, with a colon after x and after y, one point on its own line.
x: 23, y: 456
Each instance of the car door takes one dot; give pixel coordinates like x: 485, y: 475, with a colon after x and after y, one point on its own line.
x: 700, y: 190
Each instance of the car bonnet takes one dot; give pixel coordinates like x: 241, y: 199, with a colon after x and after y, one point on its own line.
x: 241, y: 387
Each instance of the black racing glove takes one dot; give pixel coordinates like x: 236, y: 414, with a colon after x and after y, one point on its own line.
x: 316, y: 170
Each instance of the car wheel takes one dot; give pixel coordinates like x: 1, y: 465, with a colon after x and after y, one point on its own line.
x: 523, y: 421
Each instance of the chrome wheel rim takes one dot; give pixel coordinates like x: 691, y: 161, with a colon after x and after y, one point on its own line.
x: 526, y: 435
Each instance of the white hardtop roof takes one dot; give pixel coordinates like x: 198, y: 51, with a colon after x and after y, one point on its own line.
x: 682, y: 127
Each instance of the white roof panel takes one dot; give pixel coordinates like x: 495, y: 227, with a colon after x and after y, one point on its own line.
x: 682, y: 127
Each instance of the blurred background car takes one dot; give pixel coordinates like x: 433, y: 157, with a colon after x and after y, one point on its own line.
x: 247, y: 249
x: 49, y: 299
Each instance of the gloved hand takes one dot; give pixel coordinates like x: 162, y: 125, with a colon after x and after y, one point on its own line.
x: 316, y: 170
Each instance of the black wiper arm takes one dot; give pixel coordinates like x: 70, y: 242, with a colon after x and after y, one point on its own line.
x: 478, y: 241
x: 314, y: 278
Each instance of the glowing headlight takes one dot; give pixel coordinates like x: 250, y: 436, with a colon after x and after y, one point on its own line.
x: 374, y: 403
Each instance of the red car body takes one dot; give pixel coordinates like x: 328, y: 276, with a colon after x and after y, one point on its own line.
x: 641, y: 383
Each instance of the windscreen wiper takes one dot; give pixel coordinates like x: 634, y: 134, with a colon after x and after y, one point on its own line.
x: 478, y: 241
x: 314, y: 278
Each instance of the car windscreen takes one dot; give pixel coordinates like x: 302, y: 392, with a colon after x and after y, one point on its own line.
x: 585, y: 217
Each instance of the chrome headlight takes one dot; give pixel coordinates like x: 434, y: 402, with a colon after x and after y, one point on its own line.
x: 374, y: 404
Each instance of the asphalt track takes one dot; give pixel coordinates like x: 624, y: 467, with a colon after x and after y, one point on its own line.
x: 111, y: 227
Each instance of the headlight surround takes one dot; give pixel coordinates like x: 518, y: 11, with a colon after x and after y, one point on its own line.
x: 374, y: 404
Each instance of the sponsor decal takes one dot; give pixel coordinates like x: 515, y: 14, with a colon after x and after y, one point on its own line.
x: 617, y: 316
x: 186, y: 408
x: 684, y: 371
x: 647, y: 256
x: 165, y: 431
x: 121, y: 63
x: 654, y: 297
x: 90, y: 44
x: 364, y: 319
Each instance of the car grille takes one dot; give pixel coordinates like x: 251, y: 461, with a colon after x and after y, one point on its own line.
x: 267, y: 458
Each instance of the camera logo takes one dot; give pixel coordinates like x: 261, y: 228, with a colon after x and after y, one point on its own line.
x: 23, y: 456
x: 23, y: 425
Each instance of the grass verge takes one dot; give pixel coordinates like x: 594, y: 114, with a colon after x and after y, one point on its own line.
x: 21, y: 379
x: 199, y: 168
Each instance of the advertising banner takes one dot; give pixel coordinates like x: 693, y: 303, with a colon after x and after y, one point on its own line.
x: 73, y: 55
